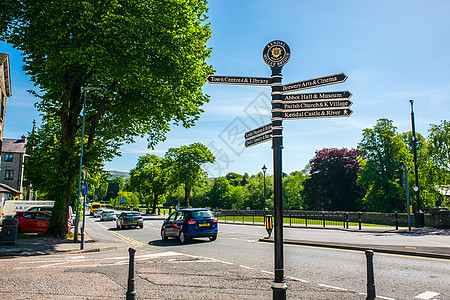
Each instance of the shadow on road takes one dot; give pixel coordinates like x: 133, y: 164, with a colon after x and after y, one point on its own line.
x: 175, y: 242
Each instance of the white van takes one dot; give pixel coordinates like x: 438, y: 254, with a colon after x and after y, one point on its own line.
x: 10, y: 207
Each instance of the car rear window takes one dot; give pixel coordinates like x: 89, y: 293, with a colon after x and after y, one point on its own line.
x: 200, y: 214
x: 136, y: 214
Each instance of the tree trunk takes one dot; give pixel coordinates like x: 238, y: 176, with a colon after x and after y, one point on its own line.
x: 62, y: 195
x: 187, y: 193
x: 155, y: 202
x: 68, y: 159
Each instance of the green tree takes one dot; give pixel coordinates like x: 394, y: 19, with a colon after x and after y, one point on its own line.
x: 225, y: 195
x: 383, y: 151
x: 438, y: 152
x: 151, y: 178
x: 201, y: 193
x: 149, y: 58
x: 234, y: 179
x: 254, y: 192
x: 332, y: 180
x: 186, y: 164
x: 132, y: 199
x: 115, y: 185
x: 293, y: 196
x: 428, y: 172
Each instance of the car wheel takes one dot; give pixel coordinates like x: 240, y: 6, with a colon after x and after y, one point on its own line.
x: 213, y: 238
x: 164, y: 236
x: 182, y: 237
x: 141, y: 226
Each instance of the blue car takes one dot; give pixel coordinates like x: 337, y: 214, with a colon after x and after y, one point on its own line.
x: 189, y: 223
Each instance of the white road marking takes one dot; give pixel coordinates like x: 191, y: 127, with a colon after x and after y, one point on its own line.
x: 297, y: 279
x: 386, y: 298
x: 271, y: 273
x: 379, y: 297
x: 332, y: 287
x: 245, y: 267
x: 427, y: 295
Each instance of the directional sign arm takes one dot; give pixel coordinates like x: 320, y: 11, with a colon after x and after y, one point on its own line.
x: 319, y: 113
x: 316, y: 82
x: 317, y: 96
x: 240, y: 80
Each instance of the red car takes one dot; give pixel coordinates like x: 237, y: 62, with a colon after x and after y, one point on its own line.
x: 33, y: 221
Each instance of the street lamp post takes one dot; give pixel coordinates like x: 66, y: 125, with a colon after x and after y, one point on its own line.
x: 77, y: 219
x: 264, y: 193
x: 419, y: 217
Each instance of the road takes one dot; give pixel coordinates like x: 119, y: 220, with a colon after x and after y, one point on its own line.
x: 396, y: 276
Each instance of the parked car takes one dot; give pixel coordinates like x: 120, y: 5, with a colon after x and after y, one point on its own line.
x: 48, y: 209
x: 130, y: 219
x: 33, y: 221
x: 98, y: 212
x: 108, y: 215
x: 189, y: 223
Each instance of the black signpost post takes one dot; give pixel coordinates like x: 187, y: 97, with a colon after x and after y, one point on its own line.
x: 287, y: 106
x: 276, y: 54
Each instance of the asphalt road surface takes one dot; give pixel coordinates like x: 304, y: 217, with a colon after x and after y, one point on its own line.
x: 396, y: 276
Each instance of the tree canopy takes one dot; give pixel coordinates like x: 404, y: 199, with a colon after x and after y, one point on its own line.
x: 332, y: 180
x: 151, y: 178
x: 383, y: 151
x: 148, y: 58
x: 187, y: 164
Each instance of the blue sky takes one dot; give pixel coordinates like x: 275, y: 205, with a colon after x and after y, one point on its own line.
x: 391, y: 51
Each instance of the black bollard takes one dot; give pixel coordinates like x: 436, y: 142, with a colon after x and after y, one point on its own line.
x: 131, y: 290
x: 370, y: 277
x: 396, y: 221
x: 359, y: 219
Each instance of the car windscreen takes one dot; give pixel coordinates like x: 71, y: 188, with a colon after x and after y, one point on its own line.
x: 201, y: 214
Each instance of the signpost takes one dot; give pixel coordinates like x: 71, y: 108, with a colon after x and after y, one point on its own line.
x: 308, y: 105
x: 318, y: 113
x: 317, y: 96
x: 258, y: 139
x: 258, y: 135
x: 316, y: 82
x: 245, y: 80
x: 287, y: 106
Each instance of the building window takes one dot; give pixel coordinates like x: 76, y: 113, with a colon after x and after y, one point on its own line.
x: 9, y: 174
x: 9, y: 157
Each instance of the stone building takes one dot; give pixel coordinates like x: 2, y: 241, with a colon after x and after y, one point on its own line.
x: 12, y: 163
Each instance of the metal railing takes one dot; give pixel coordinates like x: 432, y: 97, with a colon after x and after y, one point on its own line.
x: 316, y: 218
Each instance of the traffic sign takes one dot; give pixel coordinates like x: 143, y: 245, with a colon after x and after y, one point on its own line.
x: 312, y: 83
x: 314, y: 105
x: 316, y: 96
x: 242, y: 80
x: 258, y: 131
x: 258, y: 139
x: 84, y: 189
x: 318, y: 113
